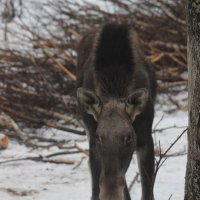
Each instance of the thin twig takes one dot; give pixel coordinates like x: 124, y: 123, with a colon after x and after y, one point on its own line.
x: 163, y: 158
x: 133, y: 181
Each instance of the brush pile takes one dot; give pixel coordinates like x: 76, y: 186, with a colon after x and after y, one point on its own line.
x: 38, y: 52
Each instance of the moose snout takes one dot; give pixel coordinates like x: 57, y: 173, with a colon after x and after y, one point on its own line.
x: 112, y: 188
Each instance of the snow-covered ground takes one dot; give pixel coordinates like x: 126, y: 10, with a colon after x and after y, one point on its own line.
x: 29, y: 180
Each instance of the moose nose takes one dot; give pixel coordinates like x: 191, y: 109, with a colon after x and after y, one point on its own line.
x: 112, y: 188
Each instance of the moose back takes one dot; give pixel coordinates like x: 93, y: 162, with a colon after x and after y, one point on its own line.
x: 116, y: 90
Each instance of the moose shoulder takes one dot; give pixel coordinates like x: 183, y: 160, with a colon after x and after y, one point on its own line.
x: 116, y: 92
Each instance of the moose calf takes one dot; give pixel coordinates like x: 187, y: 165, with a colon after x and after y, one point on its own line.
x: 116, y: 95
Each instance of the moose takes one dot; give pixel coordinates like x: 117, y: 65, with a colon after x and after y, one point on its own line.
x: 116, y: 91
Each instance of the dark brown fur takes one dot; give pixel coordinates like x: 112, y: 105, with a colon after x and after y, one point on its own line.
x: 111, y: 67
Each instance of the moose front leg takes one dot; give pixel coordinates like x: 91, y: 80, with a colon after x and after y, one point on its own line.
x: 145, y: 154
x: 95, y: 173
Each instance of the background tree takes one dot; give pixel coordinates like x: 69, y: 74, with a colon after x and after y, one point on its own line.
x: 192, y: 185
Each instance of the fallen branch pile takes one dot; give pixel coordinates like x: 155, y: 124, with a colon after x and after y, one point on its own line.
x: 38, y: 57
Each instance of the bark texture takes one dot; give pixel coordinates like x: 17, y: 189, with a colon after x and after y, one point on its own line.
x: 192, y: 184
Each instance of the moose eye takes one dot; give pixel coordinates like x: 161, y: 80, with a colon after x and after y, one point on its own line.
x: 127, y: 139
x: 98, y: 139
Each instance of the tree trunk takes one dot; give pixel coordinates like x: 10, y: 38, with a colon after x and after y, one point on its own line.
x: 192, y: 184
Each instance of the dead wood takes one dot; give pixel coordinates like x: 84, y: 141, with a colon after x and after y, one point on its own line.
x: 38, y: 63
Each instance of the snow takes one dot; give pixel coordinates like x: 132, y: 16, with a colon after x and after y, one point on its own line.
x: 29, y: 180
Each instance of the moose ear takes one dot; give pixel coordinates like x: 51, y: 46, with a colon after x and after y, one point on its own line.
x: 90, y: 101
x: 136, y: 102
